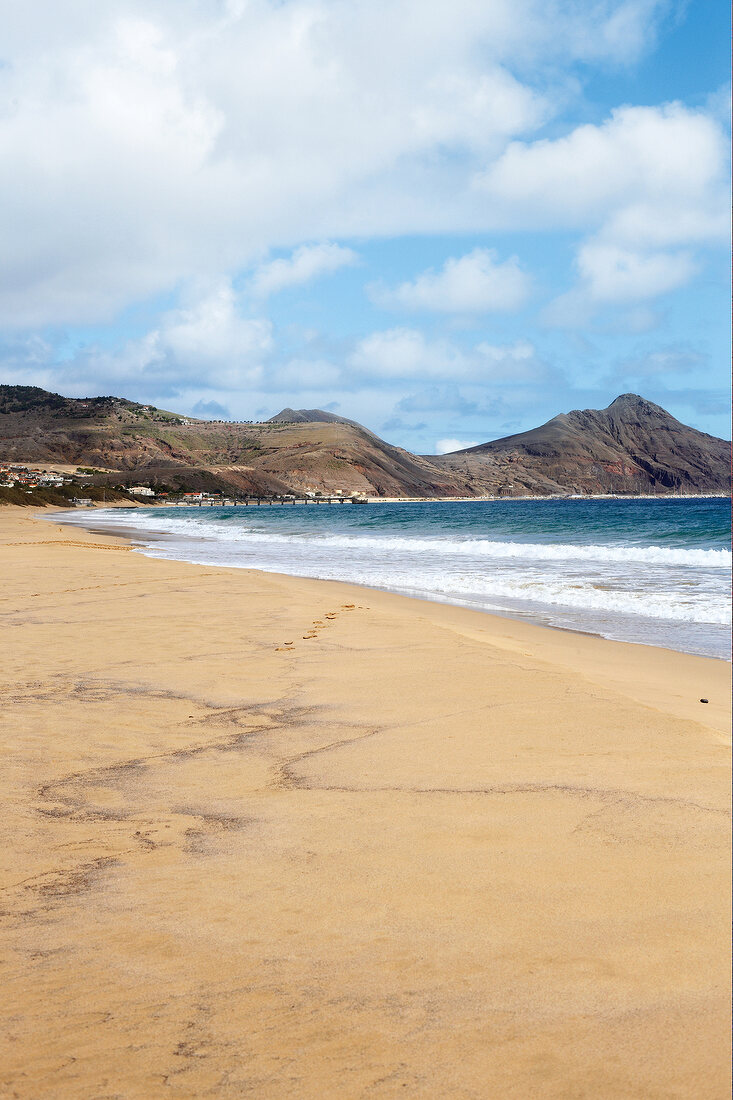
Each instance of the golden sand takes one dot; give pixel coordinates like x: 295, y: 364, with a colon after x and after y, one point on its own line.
x: 274, y: 837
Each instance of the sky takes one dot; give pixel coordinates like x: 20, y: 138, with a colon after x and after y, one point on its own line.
x: 447, y: 220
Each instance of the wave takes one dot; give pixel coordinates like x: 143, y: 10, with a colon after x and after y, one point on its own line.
x: 494, y: 592
x: 450, y: 547
x: 703, y: 608
x: 675, y: 596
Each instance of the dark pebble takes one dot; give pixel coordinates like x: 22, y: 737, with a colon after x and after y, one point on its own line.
x: 703, y: 700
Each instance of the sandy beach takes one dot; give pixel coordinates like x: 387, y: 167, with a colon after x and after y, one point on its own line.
x: 275, y: 837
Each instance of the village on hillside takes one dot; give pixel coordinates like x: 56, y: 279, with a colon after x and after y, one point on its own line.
x: 35, y: 482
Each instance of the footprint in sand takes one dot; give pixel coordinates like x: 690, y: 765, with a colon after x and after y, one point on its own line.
x: 348, y: 606
x: 330, y: 616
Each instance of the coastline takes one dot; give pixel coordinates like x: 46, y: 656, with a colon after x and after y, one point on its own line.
x: 637, y: 626
x: 421, y: 851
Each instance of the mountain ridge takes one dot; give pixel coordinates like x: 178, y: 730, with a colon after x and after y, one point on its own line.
x: 631, y: 447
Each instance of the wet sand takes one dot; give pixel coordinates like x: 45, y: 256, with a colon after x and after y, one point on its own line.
x: 274, y: 837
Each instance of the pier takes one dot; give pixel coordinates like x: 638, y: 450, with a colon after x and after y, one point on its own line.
x: 258, y: 502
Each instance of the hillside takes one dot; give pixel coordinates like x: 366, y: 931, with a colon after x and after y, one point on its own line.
x: 633, y: 446
x: 151, y: 446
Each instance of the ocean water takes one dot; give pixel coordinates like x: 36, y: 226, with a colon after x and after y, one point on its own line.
x: 650, y: 571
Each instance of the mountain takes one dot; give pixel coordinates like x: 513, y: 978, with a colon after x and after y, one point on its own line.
x: 311, y: 416
x: 142, y: 444
x: 633, y: 446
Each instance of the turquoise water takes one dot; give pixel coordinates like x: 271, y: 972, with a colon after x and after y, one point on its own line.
x: 652, y: 571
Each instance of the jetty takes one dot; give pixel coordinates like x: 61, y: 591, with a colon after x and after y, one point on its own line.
x: 248, y: 502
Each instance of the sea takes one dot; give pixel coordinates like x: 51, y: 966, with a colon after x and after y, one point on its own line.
x: 652, y: 571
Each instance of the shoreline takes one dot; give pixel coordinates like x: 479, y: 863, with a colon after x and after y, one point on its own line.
x: 295, y: 837
x: 495, y: 618
x: 146, y: 541
x: 130, y: 536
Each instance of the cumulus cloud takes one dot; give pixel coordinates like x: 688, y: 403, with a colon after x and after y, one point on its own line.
x: 647, y: 184
x: 153, y: 146
x: 447, y: 446
x: 616, y: 276
x: 401, y: 354
x: 405, y: 353
x: 475, y: 283
x: 613, y: 274
x: 204, y: 344
x: 440, y: 399
x: 305, y: 264
x: 146, y: 143
x: 649, y: 175
x: 210, y: 331
x: 518, y: 361
x: 207, y: 346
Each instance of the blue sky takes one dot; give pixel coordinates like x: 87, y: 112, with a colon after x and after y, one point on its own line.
x: 448, y: 221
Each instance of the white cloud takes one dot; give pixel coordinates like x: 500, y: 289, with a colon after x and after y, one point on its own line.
x: 205, y: 343
x: 613, y: 274
x: 210, y: 332
x: 207, y: 347
x: 144, y: 144
x: 610, y: 275
x: 306, y: 263
x: 405, y: 353
x: 474, y: 283
x: 516, y: 361
x: 646, y: 185
x: 648, y: 175
x: 300, y: 374
x: 447, y: 446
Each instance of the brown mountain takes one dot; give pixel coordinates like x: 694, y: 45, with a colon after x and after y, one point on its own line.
x: 312, y: 416
x: 633, y: 446
x: 145, y: 445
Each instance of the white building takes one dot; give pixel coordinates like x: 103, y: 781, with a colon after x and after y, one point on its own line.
x: 141, y: 491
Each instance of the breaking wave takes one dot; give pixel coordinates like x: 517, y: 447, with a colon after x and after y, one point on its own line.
x: 655, y: 572
x: 480, y: 548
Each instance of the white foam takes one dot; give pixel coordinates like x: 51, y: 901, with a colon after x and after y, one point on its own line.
x: 479, y: 548
x: 698, y: 607
x: 606, y: 588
